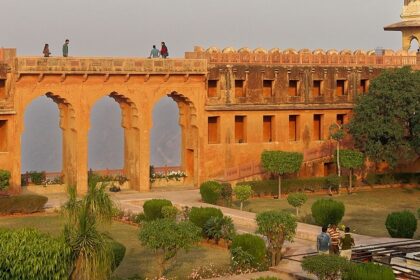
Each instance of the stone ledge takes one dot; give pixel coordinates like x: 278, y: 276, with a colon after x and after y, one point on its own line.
x: 275, y: 107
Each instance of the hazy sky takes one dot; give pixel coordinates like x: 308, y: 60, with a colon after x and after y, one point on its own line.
x: 130, y: 27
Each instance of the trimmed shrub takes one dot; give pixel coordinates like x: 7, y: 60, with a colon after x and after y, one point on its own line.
x: 217, y: 228
x: 391, y: 178
x: 368, y: 271
x: 325, y: 267
x: 297, y: 200
x: 226, y: 194
x: 4, y: 179
x: 200, y: 216
x: 332, y: 182
x: 327, y: 212
x: 210, y: 191
x: 26, y: 203
x: 169, y: 212
x: 401, y: 224
x: 37, y: 178
x: 248, y: 251
x: 30, y: 254
x: 153, y: 208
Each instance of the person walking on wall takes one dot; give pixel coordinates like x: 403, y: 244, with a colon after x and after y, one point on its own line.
x: 66, y: 48
x: 323, y: 242
x: 164, y: 50
x: 346, y: 243
x: 335, y: 240
x: 154, y: 53
x: 46, y: 50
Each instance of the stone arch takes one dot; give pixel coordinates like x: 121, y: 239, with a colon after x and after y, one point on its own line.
x: 68, y: 125
x: 130, y: 122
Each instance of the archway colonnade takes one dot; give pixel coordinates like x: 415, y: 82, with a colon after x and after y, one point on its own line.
x: 76, y: 95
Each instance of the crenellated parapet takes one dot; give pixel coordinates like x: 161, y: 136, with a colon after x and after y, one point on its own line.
x: 387, y: 58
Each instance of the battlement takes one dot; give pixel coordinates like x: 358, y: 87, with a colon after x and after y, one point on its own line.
x: 388, y: 58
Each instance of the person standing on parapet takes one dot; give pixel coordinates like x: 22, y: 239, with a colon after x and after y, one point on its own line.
x: 154, y: 53
x: 46, y: 51
x: 66, y: 48
x: 164, y: 50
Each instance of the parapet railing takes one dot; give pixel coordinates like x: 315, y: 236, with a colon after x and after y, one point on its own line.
x: 389, y: 59
x: 109, y: 65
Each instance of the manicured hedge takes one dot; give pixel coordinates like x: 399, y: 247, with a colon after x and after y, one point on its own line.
x: 252, y: 245
x: 368, y: 271
x: 30, y: 254
x: 392, y: 178
x: 26, y: 203
x: 401, y: 224
x: 153, y: 208
x: 270, y: 187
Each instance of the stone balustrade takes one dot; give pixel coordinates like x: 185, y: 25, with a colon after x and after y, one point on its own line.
x: 101, y: 65
x: 388, y: 58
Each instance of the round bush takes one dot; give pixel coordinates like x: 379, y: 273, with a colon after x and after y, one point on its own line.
x: 327, y: 212
x: 169, y: 212
x: 211, y: 192
x: 250, y: 245
x: 325, y: 266
x: 401, y: 224
x: 368, y: 271
x: 153, y: 208
x: 200, y: 216
x: 30, y: 254
x: 226, y: 194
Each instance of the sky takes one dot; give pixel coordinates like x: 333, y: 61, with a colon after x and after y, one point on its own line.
x: 129, y: 28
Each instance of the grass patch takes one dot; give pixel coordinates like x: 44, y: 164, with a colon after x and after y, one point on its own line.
x: 366, y: 212
x: 138, y: 260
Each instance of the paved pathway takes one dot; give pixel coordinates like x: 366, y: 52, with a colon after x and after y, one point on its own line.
x: 244, y: 222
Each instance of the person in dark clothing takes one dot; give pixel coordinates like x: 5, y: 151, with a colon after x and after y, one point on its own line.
x: 66, y: 48
x: 164, y: 50
x: 46, y: 51
x: 346, y: 243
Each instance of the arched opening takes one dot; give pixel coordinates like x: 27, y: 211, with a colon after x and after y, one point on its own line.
x: 174, y: 132
x: 165, y: 139
x: 42, y: 141
x: 106, y: 138
x: 414, y: 44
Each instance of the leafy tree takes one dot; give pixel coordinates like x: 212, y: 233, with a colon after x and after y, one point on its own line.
x: 166, y: 238
x: 280, y: 163
x: 4, y: 179
x: 243, y: 193
x: 297, y: 200
x: 277, y: 226
x: 386, y: 121
x: 351, y: 159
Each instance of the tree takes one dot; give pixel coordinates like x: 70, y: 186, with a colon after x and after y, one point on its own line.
x: 243, y: 193
x: 297, y: 200
x: 92, y: 255
x: 337, y: 133
x: 351, y: 159
x: 386, y: 121
x: 280, y: 163
x: 167, y: 237
x: 277, y: 226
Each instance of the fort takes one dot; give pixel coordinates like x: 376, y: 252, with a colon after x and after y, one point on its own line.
x: 233, y: 104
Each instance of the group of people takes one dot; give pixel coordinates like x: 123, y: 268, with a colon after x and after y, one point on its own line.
x: 330, y: 241
x: 47, y: 52
x: 163, y: 52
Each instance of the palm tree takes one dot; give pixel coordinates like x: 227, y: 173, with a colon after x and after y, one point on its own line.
x: 92, y: 254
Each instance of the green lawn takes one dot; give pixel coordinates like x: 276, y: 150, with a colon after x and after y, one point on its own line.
x: 366, y: 212
x: 138, y: 260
